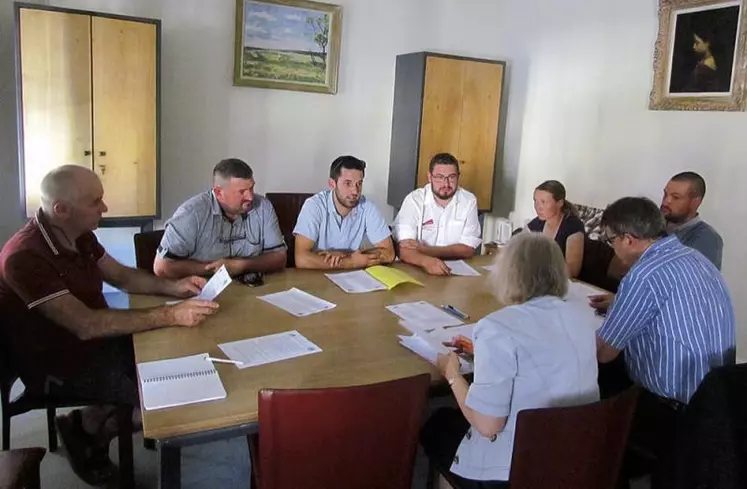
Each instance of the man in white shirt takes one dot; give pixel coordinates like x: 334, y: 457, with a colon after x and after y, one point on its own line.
x: 438, y: 221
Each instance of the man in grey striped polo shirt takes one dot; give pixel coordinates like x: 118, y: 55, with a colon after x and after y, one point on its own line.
x: 228, y: 225
x: 672, y: 317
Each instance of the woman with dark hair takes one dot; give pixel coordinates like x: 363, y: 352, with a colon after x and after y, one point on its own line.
x: 705, y: 77
x: 557, y: 218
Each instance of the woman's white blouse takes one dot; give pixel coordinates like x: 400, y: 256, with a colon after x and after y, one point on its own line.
x: 538, y: 354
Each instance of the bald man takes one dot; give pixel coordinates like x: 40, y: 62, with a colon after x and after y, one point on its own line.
x: 65, y: 339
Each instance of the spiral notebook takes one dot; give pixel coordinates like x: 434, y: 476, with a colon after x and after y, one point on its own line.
x: 179, y: 381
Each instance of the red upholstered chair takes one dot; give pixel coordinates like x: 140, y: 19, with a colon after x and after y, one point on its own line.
x: 287, y: 206
x: 571, y: 447
x: 362, y: 437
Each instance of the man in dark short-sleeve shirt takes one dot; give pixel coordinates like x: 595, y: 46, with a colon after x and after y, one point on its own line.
x: 55, y: 322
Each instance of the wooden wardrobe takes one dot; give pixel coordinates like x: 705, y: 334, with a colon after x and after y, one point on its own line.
x: 445, y: 104
x: 88, y: 90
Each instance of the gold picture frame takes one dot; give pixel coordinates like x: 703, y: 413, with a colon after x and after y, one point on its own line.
x: 288, y: 45
x: 699, y: 58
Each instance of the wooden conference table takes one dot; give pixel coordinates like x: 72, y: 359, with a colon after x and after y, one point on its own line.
x: 358, y: 339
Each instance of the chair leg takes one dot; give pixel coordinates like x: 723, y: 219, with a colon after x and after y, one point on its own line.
x: 432, y: 479
x: 51, y: 429
x: 33, y: 480
x: 126, y: 463
x: 4, y: 402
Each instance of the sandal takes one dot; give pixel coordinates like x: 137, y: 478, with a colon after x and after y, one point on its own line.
x: 88, y: 459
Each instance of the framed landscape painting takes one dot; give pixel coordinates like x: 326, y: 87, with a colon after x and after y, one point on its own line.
x: 287, y: 44
x: 699, y: 59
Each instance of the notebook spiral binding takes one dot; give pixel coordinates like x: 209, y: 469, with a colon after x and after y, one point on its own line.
x: 187, y: 375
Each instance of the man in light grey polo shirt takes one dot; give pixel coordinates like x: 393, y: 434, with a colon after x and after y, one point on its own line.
x: 335, y: 225
x: 228, y: 225
x: 682, y: 197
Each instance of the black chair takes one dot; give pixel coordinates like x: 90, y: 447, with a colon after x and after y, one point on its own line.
x: 30, y: 400
x: 146, y: 247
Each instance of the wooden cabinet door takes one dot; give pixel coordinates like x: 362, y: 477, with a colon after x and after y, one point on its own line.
x: 442, y: 111
x: 482, y: 83
x: 55, y: 54
x: 124, y: 114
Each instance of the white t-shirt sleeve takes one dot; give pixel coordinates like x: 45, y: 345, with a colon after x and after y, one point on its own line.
x: 472, y: 232
x: 406, y: 223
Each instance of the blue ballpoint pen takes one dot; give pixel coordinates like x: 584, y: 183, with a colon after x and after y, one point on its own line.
x: 455, y: 312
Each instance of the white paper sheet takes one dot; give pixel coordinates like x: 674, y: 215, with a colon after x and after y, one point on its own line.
x: 355, y: 282
x: 460, y: 267
x: 219, y: 281
x: 422, y: 312
x: 579, y: 293
x: 491, y: 268
x: 416, y: 328
x: 267, y: 349
x: 447, y: 334
x: 297, y: 302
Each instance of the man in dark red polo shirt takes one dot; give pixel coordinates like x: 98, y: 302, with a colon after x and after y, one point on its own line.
x: 60, y: 332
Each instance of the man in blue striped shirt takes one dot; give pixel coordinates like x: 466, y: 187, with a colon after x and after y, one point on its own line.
x: 672, y: 315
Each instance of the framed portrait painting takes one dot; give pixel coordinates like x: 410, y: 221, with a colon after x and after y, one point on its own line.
x: 699, y: 58
x: 287, y: 44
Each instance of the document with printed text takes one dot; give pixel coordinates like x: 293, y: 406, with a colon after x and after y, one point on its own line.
x: 297, y: 302
x: 422, y: 312
x: 268, y: 349
x: 460, y: 268
x: 217, y: 283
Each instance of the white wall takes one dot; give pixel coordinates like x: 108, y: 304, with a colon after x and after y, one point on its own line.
x: 579, y: 75
x: 289, y: 138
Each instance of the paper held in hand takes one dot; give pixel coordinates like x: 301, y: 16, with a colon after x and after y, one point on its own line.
x: 212, y: 289
x: 373, y: 278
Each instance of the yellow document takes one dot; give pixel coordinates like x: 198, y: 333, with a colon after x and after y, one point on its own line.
x: 389, y: 276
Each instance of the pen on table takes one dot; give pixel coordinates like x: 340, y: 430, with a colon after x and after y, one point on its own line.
x: 454, y: 311
x: 223, y: 360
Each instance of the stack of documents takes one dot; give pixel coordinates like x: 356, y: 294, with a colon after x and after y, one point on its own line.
x: 460, y: 267
x: 297, y: 302
x: 179, y: 381
x: 268, y: 349
x: 373, y: 278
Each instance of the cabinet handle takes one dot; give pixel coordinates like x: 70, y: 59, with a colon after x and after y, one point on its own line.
x: 87, y: 152
x: 102, y: 169
x: 102, y: 153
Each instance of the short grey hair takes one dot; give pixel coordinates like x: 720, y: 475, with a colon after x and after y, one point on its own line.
x: 530, y: 266
x: 636, y: 216
x: 62, y: 184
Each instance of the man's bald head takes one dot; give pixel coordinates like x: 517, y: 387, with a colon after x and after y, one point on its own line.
x: 66, y: 184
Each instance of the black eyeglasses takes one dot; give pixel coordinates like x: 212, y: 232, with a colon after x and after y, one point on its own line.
x: 608, y: 240
x: 254, y: 240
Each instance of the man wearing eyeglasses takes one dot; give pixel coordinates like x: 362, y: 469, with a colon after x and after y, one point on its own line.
x: 229, y: 225
x: 438, y: 221
x: 672, y: 317
x: 335, y: 227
